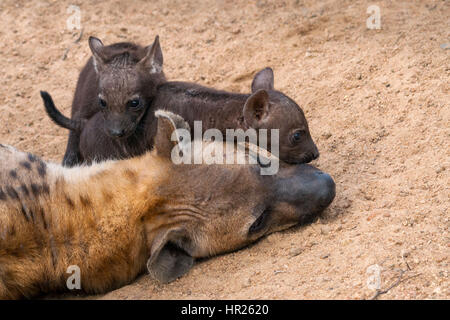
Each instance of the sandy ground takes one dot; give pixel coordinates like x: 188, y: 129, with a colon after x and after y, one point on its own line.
x: 377, y: 102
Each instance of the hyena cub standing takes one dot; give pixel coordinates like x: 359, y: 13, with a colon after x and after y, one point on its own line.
x: 115, y: 219
x: 122, y: 78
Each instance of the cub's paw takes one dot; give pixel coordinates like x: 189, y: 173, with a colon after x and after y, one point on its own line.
x: 71, y: 160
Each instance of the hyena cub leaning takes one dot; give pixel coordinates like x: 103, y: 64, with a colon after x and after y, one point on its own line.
x: 121, y: 78
x: 264, y: 109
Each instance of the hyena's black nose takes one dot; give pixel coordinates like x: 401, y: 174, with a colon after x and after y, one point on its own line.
x: 326, y: 191
x: 116, y: 133
x: 308, y: 188
x: 315, y: 154
x: 311, y: 156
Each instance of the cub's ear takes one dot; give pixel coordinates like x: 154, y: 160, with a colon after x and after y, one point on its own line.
x: 263, y: 80
x: 256, y: 108
x: 171, y: 130
x: 96, y: 46
x: 153, y: 60
x: 168, y: 261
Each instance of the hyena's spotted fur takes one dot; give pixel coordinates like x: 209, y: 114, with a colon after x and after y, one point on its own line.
x: 47, y: 213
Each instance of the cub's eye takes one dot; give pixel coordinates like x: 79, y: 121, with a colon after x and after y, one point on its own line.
x: 102, y: 102
x: 135, y: 103
x: 297, y: 135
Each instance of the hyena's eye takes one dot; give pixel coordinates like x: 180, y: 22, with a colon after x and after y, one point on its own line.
x: 102, y: 102
x: 297, y: 135
x: 260, y: 222
x: 135, y: 103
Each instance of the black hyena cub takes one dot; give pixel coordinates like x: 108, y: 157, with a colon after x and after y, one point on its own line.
x: 120, y: 80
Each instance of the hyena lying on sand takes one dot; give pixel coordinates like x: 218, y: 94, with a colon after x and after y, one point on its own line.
x: 117, y: 218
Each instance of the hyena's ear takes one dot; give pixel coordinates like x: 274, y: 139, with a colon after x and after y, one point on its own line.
x: 153, y: 60
x: 171, y: 131
x: 168, y: 260
x: 263, y: 80
x: 97, y: 46
x: 256, y: 109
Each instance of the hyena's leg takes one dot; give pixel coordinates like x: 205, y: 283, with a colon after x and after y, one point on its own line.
x: 72, y: 157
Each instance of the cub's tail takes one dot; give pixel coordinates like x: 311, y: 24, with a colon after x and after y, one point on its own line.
x: 57, y: 117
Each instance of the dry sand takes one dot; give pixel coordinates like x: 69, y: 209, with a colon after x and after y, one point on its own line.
x: 377, y: 102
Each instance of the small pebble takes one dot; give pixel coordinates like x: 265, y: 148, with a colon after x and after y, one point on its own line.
x: 440, y: 169
x: 247, y: 282
x: 236, y: 31
x: 324, y: 230
x: 295, y: 252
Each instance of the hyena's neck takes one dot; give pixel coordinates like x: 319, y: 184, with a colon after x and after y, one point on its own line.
x: 107, y: 190
x: 98, y: 209
x: 89, y: 217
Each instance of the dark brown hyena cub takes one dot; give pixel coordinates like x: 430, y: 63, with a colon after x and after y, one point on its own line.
x: 119, y: 80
